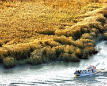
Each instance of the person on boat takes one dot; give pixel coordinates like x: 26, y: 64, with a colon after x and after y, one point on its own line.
x: 92, y: 70
x: 78, y: 71
x: 82, y: 71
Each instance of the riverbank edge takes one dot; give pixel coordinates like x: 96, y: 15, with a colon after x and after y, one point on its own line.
x: 98, y: 25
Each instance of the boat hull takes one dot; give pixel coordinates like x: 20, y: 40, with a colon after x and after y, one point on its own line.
x: 82, y: 75
x: 90, y: 70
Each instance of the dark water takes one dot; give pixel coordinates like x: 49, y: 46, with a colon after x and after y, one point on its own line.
x: 57, y: 73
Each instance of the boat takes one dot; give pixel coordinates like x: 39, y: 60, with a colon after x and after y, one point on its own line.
x: 90, y: 70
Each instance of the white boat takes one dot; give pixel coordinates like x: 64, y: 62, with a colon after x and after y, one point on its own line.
x: 90, y: 70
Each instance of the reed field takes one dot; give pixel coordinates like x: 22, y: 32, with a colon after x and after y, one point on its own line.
x: 40, y: 31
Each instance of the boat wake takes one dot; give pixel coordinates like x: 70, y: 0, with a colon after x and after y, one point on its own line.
x: 102, y: 70
x: 101, y: 67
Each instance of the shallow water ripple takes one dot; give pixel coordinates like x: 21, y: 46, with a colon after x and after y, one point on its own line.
x: 57, y: 73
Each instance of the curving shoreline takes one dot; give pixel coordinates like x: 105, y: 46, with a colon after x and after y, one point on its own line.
x: 69, y: 44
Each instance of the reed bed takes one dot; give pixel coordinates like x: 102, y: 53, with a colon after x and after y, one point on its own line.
x: 41, y: 31
x: 9, y: 62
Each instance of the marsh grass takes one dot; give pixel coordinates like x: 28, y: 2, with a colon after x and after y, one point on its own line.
x: 78, y: 52
x: 43, y: 55
x: 64, y: 40
x: 86, y: 36
x: 68, y: 57
x: 51, y: 43
x: 59, y: 50
x: 19, y: 52
x: 79, y: 44
x: 105, y: 36
x: 47, y: 32
x: 69, y: 49
x: 60, y: 32
x: 35, y: 60
x: 87, y: 52
x: 9, y: 62
x: 49, y: 54
x: 36, y: 32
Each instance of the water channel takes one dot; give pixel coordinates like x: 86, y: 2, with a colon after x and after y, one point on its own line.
x: 57, y: 73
